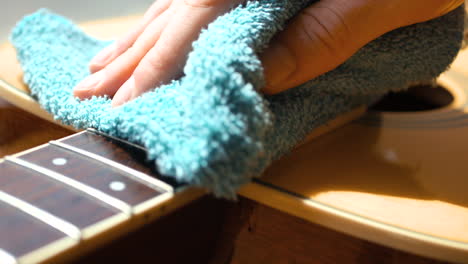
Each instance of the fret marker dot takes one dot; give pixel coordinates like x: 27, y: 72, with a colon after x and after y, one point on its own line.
x: 117, y: 186
x: 59, y: 161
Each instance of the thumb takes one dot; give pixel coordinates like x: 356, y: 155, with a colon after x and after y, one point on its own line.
x: 326, y: 34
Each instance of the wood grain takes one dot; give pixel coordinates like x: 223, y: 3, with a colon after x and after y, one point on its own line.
x: 189, y: 235
x: 21, y: 233
x: 397, y: 179
x: 20, y: 130
x: 52, y: 196
x: 92, y: 173
x: 115, y: 150
x: 270, y: 236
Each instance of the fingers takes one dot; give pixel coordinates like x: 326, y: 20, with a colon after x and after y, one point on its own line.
x: 316, y: 41
x: 158, y: 53
x: 166, y: 59
x: 319, y: 39
x: 327, y: 33
x: 109, y: 79
x: 111, y: 52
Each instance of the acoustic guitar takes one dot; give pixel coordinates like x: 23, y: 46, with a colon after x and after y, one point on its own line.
x: 392, y: 178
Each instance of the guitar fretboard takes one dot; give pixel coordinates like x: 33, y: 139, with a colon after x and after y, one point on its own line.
x: 58, y: 195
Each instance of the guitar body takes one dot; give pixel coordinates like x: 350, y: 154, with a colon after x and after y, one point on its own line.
x: 218, y: 231
x: 320, y: 204
x: 21, y: 130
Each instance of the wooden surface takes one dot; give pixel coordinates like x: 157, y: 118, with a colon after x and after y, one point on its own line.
x: 190, y: 235
x: 17, y: 228
x: 218, y: 232
x: 255, y: 241
x: 95, y: 220
x: 20, y: 130
x: 269, y: 236
x: 130, y: 156
x: 394, y: 178
x: 92, y: 173
x: 44, y: 193
x: 398, y: 179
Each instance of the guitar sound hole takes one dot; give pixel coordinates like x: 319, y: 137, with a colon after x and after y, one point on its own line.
x: 416, y: 98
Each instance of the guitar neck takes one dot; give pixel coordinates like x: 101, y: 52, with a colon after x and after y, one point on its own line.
x: 78, y: 190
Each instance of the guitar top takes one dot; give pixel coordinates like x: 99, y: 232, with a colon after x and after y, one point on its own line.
x: 395, y: 177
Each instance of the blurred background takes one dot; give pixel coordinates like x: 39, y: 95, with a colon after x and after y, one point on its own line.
x: 13, y: 10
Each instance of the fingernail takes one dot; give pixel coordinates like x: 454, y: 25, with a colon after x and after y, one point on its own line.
x: 279, y: 64
x: 124, y: 94
x: 103, y: 56
x: 89, y: 82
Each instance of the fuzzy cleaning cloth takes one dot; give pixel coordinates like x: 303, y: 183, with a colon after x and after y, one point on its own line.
x: 212, y: 127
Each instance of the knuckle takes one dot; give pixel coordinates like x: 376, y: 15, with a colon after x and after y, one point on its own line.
x: 122, y: 44
x: 150, y: 65
x: 325, y: 28
x: 158, y: 61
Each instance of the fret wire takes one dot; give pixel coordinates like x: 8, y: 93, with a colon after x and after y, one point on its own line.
x: 27, y: 151
x: 99, y: 133
x: 73, y: 135
x: 137, y: 175
x: 7, y: 258
x: 51, y: 220
x: 95, y: 193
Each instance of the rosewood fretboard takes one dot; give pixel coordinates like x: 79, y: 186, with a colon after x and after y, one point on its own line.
x: 58, y: 196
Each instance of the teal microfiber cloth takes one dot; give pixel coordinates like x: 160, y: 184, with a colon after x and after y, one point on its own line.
x: 213, y: 127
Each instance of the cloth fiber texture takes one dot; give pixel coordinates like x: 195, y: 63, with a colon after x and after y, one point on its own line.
x: 213, y: 127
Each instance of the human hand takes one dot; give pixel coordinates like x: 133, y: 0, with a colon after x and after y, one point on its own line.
x: 154, y: 52
x: 314, y: 42
x: 326, y: 34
